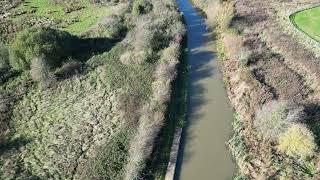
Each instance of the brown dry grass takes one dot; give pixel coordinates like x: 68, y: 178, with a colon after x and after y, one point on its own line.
x: 264, y: 63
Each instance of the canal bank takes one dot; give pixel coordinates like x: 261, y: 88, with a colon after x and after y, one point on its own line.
x: 203, y: 153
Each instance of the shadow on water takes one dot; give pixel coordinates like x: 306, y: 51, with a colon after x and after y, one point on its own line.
x: 200, y: 68
x: 197, y: 71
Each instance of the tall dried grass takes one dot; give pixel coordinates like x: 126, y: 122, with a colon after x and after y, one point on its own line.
x: 152, y: 114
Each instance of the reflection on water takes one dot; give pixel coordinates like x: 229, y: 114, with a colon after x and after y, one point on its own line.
x: 204, y: 155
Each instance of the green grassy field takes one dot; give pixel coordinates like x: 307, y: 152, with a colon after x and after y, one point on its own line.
x: 75, y: 22
x: 308, y: 22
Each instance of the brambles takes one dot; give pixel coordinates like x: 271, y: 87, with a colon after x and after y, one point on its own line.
x: 4, y: 57
x: 52, y: 44
x: 297, y: 141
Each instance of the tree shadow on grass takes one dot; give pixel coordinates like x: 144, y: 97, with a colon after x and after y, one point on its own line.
x: 83, y: 49
x: 88, y: 47
x: 12, y: 144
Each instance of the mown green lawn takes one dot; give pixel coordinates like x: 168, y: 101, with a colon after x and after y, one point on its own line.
x: 309, y: 22
x: 75, y: 22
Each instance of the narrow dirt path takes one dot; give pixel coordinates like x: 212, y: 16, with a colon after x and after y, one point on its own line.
x: 204, y: 154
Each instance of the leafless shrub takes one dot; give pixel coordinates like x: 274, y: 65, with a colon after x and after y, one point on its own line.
x: 234, y: 46
x: 40, y: 72
x: 276, y: 116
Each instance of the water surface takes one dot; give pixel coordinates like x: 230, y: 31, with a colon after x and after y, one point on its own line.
x: 204, y: 154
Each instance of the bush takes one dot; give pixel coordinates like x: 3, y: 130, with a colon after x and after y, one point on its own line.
x: 108, y: 27
x: 297, y: 141
x: 275, y: 117
x: 40, y: 72
x: 4, y: 56
x: 141, y: 7
x: 54, y: 45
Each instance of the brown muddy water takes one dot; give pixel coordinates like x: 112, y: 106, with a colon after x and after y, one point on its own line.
x: 203, y: 153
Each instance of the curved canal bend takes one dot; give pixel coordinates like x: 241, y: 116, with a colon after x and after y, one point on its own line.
x: 203, y: 153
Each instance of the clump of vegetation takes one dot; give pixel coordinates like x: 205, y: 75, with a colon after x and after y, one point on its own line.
x: 40, y: 72
x: 219, y: 13
x: 109, y: 27
x: 297, y: 141
x: 53, y: 45
x: 141, y: 7
x: 233, y: 47
x: 4, y: 57
x: 276, y: 116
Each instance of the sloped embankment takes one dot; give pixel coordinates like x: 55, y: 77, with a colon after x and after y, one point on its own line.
x: 271, y: 77
x: 99, y: 115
